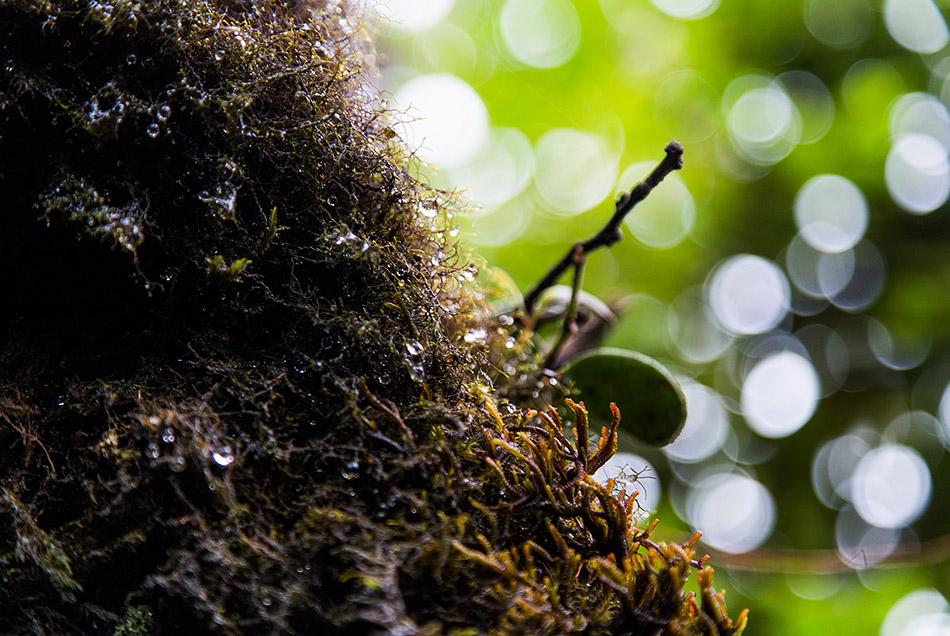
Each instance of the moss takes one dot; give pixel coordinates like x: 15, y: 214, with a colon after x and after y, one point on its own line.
x: 244, y: 370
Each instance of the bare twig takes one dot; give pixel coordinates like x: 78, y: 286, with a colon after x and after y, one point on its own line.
x: 569, y: 326
x: 794, y: 561
x: 27, y: 432
x: 610, y: 233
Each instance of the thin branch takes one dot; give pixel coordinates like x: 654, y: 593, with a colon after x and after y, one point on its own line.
x: 793, y: 561
x: 569, y: 327
x: 610, y: 233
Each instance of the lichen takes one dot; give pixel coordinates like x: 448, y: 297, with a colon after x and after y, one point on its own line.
x: 247, y: 379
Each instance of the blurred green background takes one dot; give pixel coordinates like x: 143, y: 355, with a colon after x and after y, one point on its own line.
x: 795, y: 275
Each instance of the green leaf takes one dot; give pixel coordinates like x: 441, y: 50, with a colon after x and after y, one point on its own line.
x: 652, y: 404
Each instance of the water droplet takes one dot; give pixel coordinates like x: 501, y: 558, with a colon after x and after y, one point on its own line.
x: 152, y: 130
x: 475, y: 335
x: 153, y: 452
x: 177, y: 463
x: 430, y: 208
x: 223, y: 456
x: 351, y: 471
x: 168, y: 436
x: 414, y: 347
x: 131, y: 59
x: 163, y: 112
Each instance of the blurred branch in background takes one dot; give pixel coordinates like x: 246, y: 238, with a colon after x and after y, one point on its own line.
x: 793, y: 561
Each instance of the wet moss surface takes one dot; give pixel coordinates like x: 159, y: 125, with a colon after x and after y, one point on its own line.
x: 236, y: 390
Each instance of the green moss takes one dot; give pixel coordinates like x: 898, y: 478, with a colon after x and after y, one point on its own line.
x: 137, y: 622
x: 243, y: 378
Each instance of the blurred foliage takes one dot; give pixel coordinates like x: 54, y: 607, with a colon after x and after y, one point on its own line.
x: 642, y: 76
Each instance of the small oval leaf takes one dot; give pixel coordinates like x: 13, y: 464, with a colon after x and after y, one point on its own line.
x: 652, y: 404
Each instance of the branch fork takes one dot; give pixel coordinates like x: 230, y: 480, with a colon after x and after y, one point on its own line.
x: 607, y: 236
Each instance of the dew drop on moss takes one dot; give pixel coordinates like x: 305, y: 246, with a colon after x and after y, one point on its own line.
x: 152, y: 130
x: 223, y: 456
x: 352, y: 471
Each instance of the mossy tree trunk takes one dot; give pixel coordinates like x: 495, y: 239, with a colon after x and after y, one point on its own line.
x: 234, y: 384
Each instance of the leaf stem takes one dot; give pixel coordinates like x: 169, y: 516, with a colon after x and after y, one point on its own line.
x: 610, y: 233
x: 569, y: 326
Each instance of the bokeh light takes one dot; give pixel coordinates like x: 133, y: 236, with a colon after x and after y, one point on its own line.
x: 891, y: 486
x: 502, y: 225
x: 499, y: 171
x: 686, y: 9
x: 894, y: 352
x: 868, y: 88
x: 574, y: 170
x: 840, y: 24
x: 706, y: 425
x: 943, y: 412
x: 694, y: 334
x: 664, y: 218
x: 735, y: 512
x: 445, y: 121
x: 686, y: 99
x: 833, y: 465
x: 814, y: 101
x: 828, y: 354
x: 831, y: 213
x: 407, y: 17
x: 922, y: 612
x: 917, y: 25
x: 451, y: 50
x: 814, y: 587
x: 540, y: 33
x: 748, y: 294
x: 764, y: 123
x: 646, y: 43
x: 922, y: 114
x: 780, y: 394
x: 866, y: 283
x: 817, y: 273
x: 859, y: 544
x: 917, y: 173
